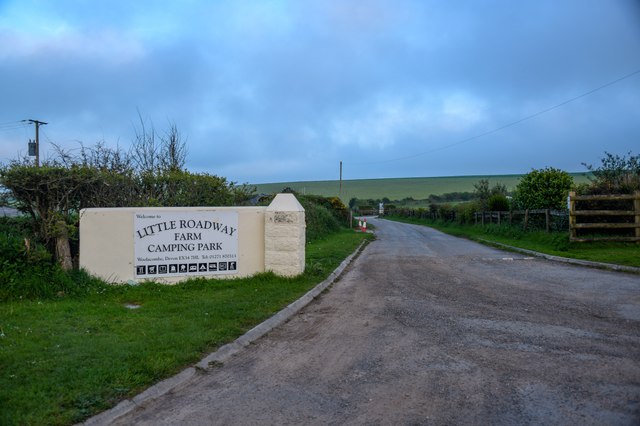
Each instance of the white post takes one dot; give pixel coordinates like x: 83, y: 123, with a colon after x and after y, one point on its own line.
x: 284, y: 236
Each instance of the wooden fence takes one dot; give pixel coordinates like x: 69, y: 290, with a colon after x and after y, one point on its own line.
x: 509, y: 216
x: 607, y: 221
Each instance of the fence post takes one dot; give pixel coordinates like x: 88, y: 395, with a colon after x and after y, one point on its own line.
x: 499, y: 213
x: 547, y: 216
x: 526, y: 219
x: 572, y: 216
x: 636, y: 208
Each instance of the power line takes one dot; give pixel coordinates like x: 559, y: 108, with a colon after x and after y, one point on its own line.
x: 13, y: 125
x: 47, y: 136
x: 513, y: 123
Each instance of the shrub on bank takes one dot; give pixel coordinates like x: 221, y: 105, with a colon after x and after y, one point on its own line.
x: 319, y: 220
x: 323, y: 215
x: 465, y: 213
x: 27, y: 270
x: 498, y: 203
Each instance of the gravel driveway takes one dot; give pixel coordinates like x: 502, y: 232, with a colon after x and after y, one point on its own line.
x: 425, y: 328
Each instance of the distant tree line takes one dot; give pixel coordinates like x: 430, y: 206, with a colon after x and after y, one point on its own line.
x: 373, y: 203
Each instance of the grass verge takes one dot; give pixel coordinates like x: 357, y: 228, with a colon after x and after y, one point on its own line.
x: 66, y: 359
x: 554, y: 243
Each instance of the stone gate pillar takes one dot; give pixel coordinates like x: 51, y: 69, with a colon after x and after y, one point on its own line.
x: 284, y: 236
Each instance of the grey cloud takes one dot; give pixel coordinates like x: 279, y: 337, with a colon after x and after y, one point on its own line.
x: 321, y: 81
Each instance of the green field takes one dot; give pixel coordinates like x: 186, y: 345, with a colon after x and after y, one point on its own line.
x: 397, y: 188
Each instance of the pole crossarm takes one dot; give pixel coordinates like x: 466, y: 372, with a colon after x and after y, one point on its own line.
x: 37, y: 124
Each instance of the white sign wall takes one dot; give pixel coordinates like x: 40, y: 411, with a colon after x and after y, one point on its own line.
x: 179, y: 243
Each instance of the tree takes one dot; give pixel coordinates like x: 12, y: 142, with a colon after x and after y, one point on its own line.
x: 543, y: 189
x: 151, y: 154
x: 483, y: 193
x: 145, y: 150
x: 173, y: 152
x: 353, y: 202
x: 615, y: 174
x: 50, y: 195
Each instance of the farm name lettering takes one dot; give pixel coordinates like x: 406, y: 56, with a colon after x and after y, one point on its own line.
x: 185, y: 224
x: 186, y: 233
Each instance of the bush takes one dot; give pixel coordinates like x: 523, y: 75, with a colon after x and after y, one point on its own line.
x: 498, y: 203
x: 19, y: 252
x: 543, y: 189
x: 319, y: 220
x: 28, y: 272
x: 483, y: 193
x: 20, y: 226
x: 465, y: 213
x: 615, y: 175
x: 323, y: 215
x: 179, y: 188
x: 446, y: 212
x: 333, y: 204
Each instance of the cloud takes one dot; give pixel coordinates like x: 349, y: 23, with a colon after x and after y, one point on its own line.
x: 389, y: 121
x: 461, y: 112
x: 108, y: 48
x: 283, y: 90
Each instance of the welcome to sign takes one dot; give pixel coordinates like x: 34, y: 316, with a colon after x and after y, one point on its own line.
x: 171, y: 244
x: 178, y: 243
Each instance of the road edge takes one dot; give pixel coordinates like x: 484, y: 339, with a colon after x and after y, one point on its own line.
x: 223, y: 353
x: 569, y: 260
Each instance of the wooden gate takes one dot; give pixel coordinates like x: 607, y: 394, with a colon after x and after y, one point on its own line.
x: 605, y: 220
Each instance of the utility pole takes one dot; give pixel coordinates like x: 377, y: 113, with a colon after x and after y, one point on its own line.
x: 37, y: 124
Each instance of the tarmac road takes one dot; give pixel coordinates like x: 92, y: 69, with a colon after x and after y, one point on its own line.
x: 425, y: 328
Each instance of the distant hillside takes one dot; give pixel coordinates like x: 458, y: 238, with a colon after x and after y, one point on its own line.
x: 397, y: 188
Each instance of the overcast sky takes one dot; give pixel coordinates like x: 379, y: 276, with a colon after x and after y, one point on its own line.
x: 269, y: 91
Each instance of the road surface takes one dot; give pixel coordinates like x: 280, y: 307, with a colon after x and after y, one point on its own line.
x: 425, y: 328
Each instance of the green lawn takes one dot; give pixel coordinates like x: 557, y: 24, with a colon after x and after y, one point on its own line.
x: 556, y: 244
x: 396, y: 189
x: 64, y: 360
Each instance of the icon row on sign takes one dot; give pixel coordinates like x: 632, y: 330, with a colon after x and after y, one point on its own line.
x: 185, y: 268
